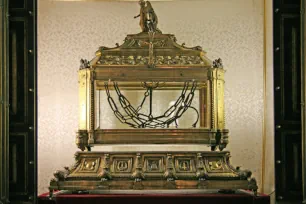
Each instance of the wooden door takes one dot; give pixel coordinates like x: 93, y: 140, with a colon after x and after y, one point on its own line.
x: 287, y: 99
x: 22, y: 99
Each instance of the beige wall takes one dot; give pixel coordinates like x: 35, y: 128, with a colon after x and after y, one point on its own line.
x: 68, y: 31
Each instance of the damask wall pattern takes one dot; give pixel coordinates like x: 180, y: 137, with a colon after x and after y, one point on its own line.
x: 69, y: 31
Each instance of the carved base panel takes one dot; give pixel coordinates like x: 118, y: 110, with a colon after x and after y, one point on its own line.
x: 152, y: 170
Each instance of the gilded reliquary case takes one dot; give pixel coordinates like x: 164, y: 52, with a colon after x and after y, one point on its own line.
x: 151, y: 90
x: 151, y: 59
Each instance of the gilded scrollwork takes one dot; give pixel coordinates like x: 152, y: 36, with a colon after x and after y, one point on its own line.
x: 101, y: 48
x: 77, y: 159
x: 131, y: 43
x: 82, y: 139
x: 216, y: 165
x: 160, y: 43
x: 242, y: 174
x: 173, y: 38
x: 122, y: 165
x: 197, y: 48
x: 60, y: 175
x: 144, y: 60
x: 137, y: 43
x: 90, y: 164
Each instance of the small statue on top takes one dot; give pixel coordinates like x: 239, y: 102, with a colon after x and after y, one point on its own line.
x: 148, y: 19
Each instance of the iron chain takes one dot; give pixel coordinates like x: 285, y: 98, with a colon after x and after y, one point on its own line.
x: 136, y: 119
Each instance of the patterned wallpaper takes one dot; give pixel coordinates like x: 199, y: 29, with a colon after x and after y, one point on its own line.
x: 69, y: 31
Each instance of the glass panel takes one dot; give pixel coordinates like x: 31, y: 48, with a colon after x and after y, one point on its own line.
x: 162, y: 100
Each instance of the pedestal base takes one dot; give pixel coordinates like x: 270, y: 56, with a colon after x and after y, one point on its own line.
x: 152, y: 170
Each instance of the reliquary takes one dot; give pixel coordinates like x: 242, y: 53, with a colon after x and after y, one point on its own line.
x: 159, y: 92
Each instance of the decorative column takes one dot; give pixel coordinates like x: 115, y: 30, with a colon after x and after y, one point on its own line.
x: 216, y: 80
x: 86, y: 107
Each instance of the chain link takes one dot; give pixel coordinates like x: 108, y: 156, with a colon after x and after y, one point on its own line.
x: 136, y: 119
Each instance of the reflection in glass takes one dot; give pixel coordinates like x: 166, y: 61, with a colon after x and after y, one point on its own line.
x: 161, y: 101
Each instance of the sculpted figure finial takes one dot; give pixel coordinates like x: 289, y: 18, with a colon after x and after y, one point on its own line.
x: 148, y: 19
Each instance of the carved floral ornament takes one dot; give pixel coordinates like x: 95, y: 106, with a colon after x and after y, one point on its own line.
x: 143, y: 60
